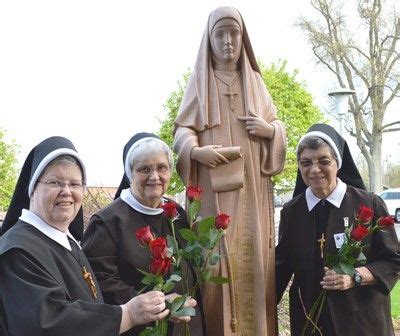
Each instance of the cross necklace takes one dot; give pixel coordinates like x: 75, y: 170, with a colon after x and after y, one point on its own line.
x: 229, y: 93
x: 321, y: 223
x: 87, y: 276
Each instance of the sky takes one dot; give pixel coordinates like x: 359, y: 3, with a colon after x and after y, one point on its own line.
x: 99, y: 71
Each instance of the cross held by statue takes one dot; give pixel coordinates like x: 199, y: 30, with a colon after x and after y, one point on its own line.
x: 321, y: 242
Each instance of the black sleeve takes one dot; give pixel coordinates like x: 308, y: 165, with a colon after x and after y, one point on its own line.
x: 385, y: 252
x: 101, y: 248
x: 283, y: 267
x: 35, y: 304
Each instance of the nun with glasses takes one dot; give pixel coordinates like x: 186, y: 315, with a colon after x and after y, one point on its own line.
x: 47, y: 286
x: 109, y: 242
x: 329, y: 191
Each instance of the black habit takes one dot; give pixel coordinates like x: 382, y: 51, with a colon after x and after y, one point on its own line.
x: 362, y: 310
x: 116, y: 255
x: 43, y: 290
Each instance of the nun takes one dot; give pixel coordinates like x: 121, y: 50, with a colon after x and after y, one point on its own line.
x: 329, y: 191
x: 110, y: 243
x: 47, y: 286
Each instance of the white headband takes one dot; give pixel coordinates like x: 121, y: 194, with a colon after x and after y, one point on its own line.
x: 50, y: 157
x: 328, y: 139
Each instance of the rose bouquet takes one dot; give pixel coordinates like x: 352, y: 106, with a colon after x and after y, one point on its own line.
x: 201, y: 239
x: 348, y: 256
x: 161, y: 264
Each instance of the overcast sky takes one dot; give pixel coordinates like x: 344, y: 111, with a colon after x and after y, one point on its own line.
x: 98, y: 71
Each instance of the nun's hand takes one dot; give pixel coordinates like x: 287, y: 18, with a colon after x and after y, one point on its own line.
x: 258, y: 126
x: 208, y: 156
x: 336, y: 281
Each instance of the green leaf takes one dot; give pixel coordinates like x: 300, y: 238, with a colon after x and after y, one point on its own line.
x: 188, y: 235
x: 362, y: 259
x: 205, y: 225
x: 219, y: 280
x: 214, y: 258
x: 168, y: 286
x: 206, y: 275
x: 172, y: 243
x: 185, y: 311
x: 194, y: 209
x: 204, y: 240
x: 346, y: 269
x: 214, y: 238
x: 175, y: 277
x: 177, y: 303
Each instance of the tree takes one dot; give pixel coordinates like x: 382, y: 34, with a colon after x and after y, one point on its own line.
x: 369, y: 65
x: 8, y: 170
x: 295, y: 109
x: 94, y: 199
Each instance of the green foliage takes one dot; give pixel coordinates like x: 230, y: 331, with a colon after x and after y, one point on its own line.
x: 8, y: 170
x: 395, y: 298
x: 167, y: 127
x: 295, y: 109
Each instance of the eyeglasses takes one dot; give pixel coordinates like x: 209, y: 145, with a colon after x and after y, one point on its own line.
x: 161, y: 169
x: 56, y: 184
x: 322, y: 163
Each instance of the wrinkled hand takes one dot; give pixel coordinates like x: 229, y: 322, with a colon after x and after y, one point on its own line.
x: 208, y: 156
x: 336, y: 281
x: 147, y: 307
x: 258, y: 126
x: 190, y: 302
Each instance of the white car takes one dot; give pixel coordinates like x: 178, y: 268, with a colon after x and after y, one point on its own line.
x: 392, y: 201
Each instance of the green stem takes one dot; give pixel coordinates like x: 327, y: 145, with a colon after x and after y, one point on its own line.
x: 317, y: 306
x: 172, y: 226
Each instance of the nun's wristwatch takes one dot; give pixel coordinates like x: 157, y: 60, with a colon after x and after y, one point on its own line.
x: 357, y: 278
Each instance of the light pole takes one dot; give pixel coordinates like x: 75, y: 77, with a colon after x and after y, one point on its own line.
x: 341, y: 96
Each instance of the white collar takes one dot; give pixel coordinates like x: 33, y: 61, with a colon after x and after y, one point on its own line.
x: 335, y: 198
x: 60, y: 237
x: 128, y: 198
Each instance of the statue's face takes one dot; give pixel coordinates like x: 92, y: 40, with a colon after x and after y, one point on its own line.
x: 226, y: 41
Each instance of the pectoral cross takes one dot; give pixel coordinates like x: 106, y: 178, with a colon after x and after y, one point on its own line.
x: 231, y: 95
x: 321, y: 242
x: 89, y: 280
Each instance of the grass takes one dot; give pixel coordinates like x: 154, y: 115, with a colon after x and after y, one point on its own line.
x: 395, y: 299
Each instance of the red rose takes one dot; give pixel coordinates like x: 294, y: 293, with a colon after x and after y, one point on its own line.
x: 193, y: 193
x: 158, y: 248
x: 385, y: 221
x: 364, y: 214
x: 359, y: 232
x: 144, y: 235
x: 222, y: 221
x: 160, y: 266
x: 170, y: 210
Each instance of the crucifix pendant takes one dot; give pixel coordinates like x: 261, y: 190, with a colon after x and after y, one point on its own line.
x: 89, y: 280
x: 321, y: 242
x: 231, y: 95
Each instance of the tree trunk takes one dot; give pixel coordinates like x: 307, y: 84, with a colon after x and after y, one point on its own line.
x: 375, y: 165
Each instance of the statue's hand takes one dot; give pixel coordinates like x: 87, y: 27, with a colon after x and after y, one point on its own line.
x: 258, y: 126
x: 208, y: 156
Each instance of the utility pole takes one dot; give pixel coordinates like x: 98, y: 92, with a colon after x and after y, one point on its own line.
x: 341, y: 97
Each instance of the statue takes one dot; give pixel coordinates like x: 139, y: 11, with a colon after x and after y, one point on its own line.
x: 230, y: 142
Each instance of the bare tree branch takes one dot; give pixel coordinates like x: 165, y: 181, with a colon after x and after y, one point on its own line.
x: 370, y: 66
